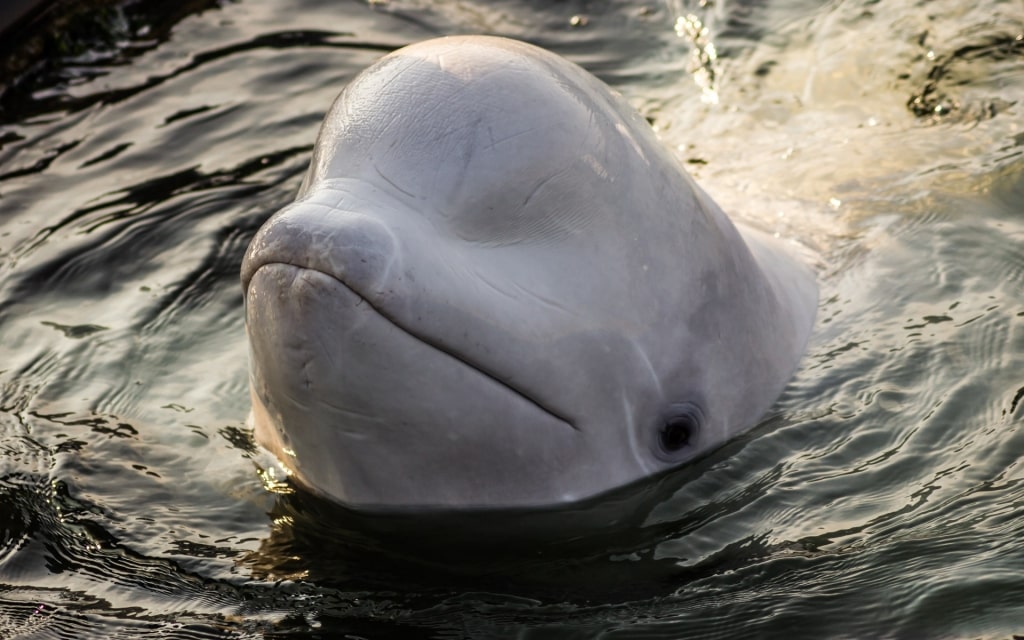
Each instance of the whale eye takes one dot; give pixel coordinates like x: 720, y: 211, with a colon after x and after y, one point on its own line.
x: 680, y: 429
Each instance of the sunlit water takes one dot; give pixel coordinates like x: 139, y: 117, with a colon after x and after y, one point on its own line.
x: 882, y: 497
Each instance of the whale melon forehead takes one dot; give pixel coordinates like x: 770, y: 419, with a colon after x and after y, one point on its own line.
x: 496, y: 146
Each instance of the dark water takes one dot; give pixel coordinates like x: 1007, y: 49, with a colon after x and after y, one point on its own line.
x: 883, y: 496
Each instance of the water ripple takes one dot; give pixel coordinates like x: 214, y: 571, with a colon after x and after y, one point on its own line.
x: 882, y: 496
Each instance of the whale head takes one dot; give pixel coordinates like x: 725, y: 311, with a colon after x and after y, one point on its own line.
x: 496, y: 289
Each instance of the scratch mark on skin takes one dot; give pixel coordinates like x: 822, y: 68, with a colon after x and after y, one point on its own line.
x: 551, y: 304
x: 356, y: 434
x: 540, y: 186
x: 515, y: 291
x: 391, y: 182
x: 494, y: 143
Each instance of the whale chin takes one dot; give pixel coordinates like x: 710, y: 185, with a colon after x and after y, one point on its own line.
x: 349, y: 402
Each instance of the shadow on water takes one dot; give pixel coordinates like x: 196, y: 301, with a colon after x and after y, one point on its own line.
x: 577, y: 554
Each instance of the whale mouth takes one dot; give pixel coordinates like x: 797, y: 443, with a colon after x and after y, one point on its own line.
x: 424, y: 339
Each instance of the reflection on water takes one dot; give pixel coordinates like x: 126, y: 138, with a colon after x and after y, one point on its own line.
x: 882, y: 496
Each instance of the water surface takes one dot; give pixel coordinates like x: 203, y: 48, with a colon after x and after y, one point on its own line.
x: 882, y: 496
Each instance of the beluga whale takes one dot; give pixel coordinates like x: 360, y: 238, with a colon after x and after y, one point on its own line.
x: 496, y: 289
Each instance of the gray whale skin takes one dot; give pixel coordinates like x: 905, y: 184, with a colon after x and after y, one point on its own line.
x: 497, y: 290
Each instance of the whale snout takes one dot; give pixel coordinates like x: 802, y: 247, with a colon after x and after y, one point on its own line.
x: 354, y: 248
